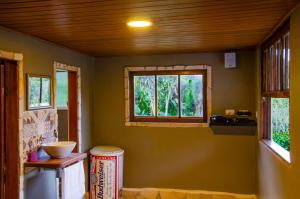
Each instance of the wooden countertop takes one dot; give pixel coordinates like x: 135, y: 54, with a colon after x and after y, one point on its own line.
x: 57, y: 163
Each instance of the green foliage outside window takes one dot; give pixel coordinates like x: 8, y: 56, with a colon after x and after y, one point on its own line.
x: 191, y: 90
x: 167, y: 94
x: 62, y: 89
x: 283, y: 139
x: 280, y: 122
x: 192, y: 96
x: 39, y: 92
x: 46, y: 85
x: 35, y: 90
x: 144, y: 95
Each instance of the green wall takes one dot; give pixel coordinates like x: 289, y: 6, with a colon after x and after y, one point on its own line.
x: 186, y: 158
x: 278, y: 179
x: 38, y: 57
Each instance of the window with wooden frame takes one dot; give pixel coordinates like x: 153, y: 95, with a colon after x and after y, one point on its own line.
x: 275, y: 87
x: 168, y: 96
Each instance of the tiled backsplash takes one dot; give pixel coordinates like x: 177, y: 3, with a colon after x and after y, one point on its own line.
x: 39, y: 127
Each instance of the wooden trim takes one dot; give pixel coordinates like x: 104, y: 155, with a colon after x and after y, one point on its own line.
x: 169, y: 72
x: 73, y: 110
x: 131, y: 97
x: 12, y: 56
x: 167, y: 124
x: 275, y: 68
x: 277, y: 94
x: 2, y: 141
x: 222, y: 24
x: 127, y: 88
x: 178, y: 118
x: 266, y: 119
x: 19, y: 58
x: 169, y: 119
x: 58, y: 163
x: 155, y: 100
x: 179, y: 96
x: 280, y: 24
x: 282, y: 30
x: 69, y: 68
x: 11, y: 123
x: 204, y: 91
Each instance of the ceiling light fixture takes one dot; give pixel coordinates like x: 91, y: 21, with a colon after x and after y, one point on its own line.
x: 139, y: 24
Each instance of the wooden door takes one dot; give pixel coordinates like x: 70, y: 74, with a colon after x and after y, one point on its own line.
x: 10, y: 160
x: 73, y: 108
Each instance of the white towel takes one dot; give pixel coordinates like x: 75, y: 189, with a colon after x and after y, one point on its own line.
x: 74, y: 181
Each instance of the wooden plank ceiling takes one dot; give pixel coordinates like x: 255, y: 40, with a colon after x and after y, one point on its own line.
x: 98, y: 27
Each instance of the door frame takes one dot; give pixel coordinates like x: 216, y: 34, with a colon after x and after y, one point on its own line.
x: 58, y: 65
x: 19, y: 58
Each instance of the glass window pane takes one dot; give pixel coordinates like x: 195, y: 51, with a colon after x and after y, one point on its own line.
x: 286, y: 62
x: 279, y: 65
x: 46, y: 98
x: 62, y: 89
x: 280, y: 125
x: 272, y: 67
x: 265, y: 71
x: 167, y: 95
x: 35, y: 90
x: 191, y: 95
x: 144, y: 95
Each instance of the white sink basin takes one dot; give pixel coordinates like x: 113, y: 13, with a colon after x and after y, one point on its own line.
x: 60, y: 149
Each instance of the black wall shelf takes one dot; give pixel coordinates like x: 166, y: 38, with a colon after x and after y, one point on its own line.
x: 250, y: 123
x: 248, y: 128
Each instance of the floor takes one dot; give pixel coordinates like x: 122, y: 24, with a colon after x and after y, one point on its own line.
x: 179, y: 194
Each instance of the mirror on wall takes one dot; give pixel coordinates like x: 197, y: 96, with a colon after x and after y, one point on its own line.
x: 38, y: 92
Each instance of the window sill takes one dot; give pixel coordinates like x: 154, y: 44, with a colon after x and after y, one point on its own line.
x: 277, y: 150
x: 166, y: 124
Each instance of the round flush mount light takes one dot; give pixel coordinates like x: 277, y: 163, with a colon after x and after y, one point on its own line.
x: 139, y: 24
